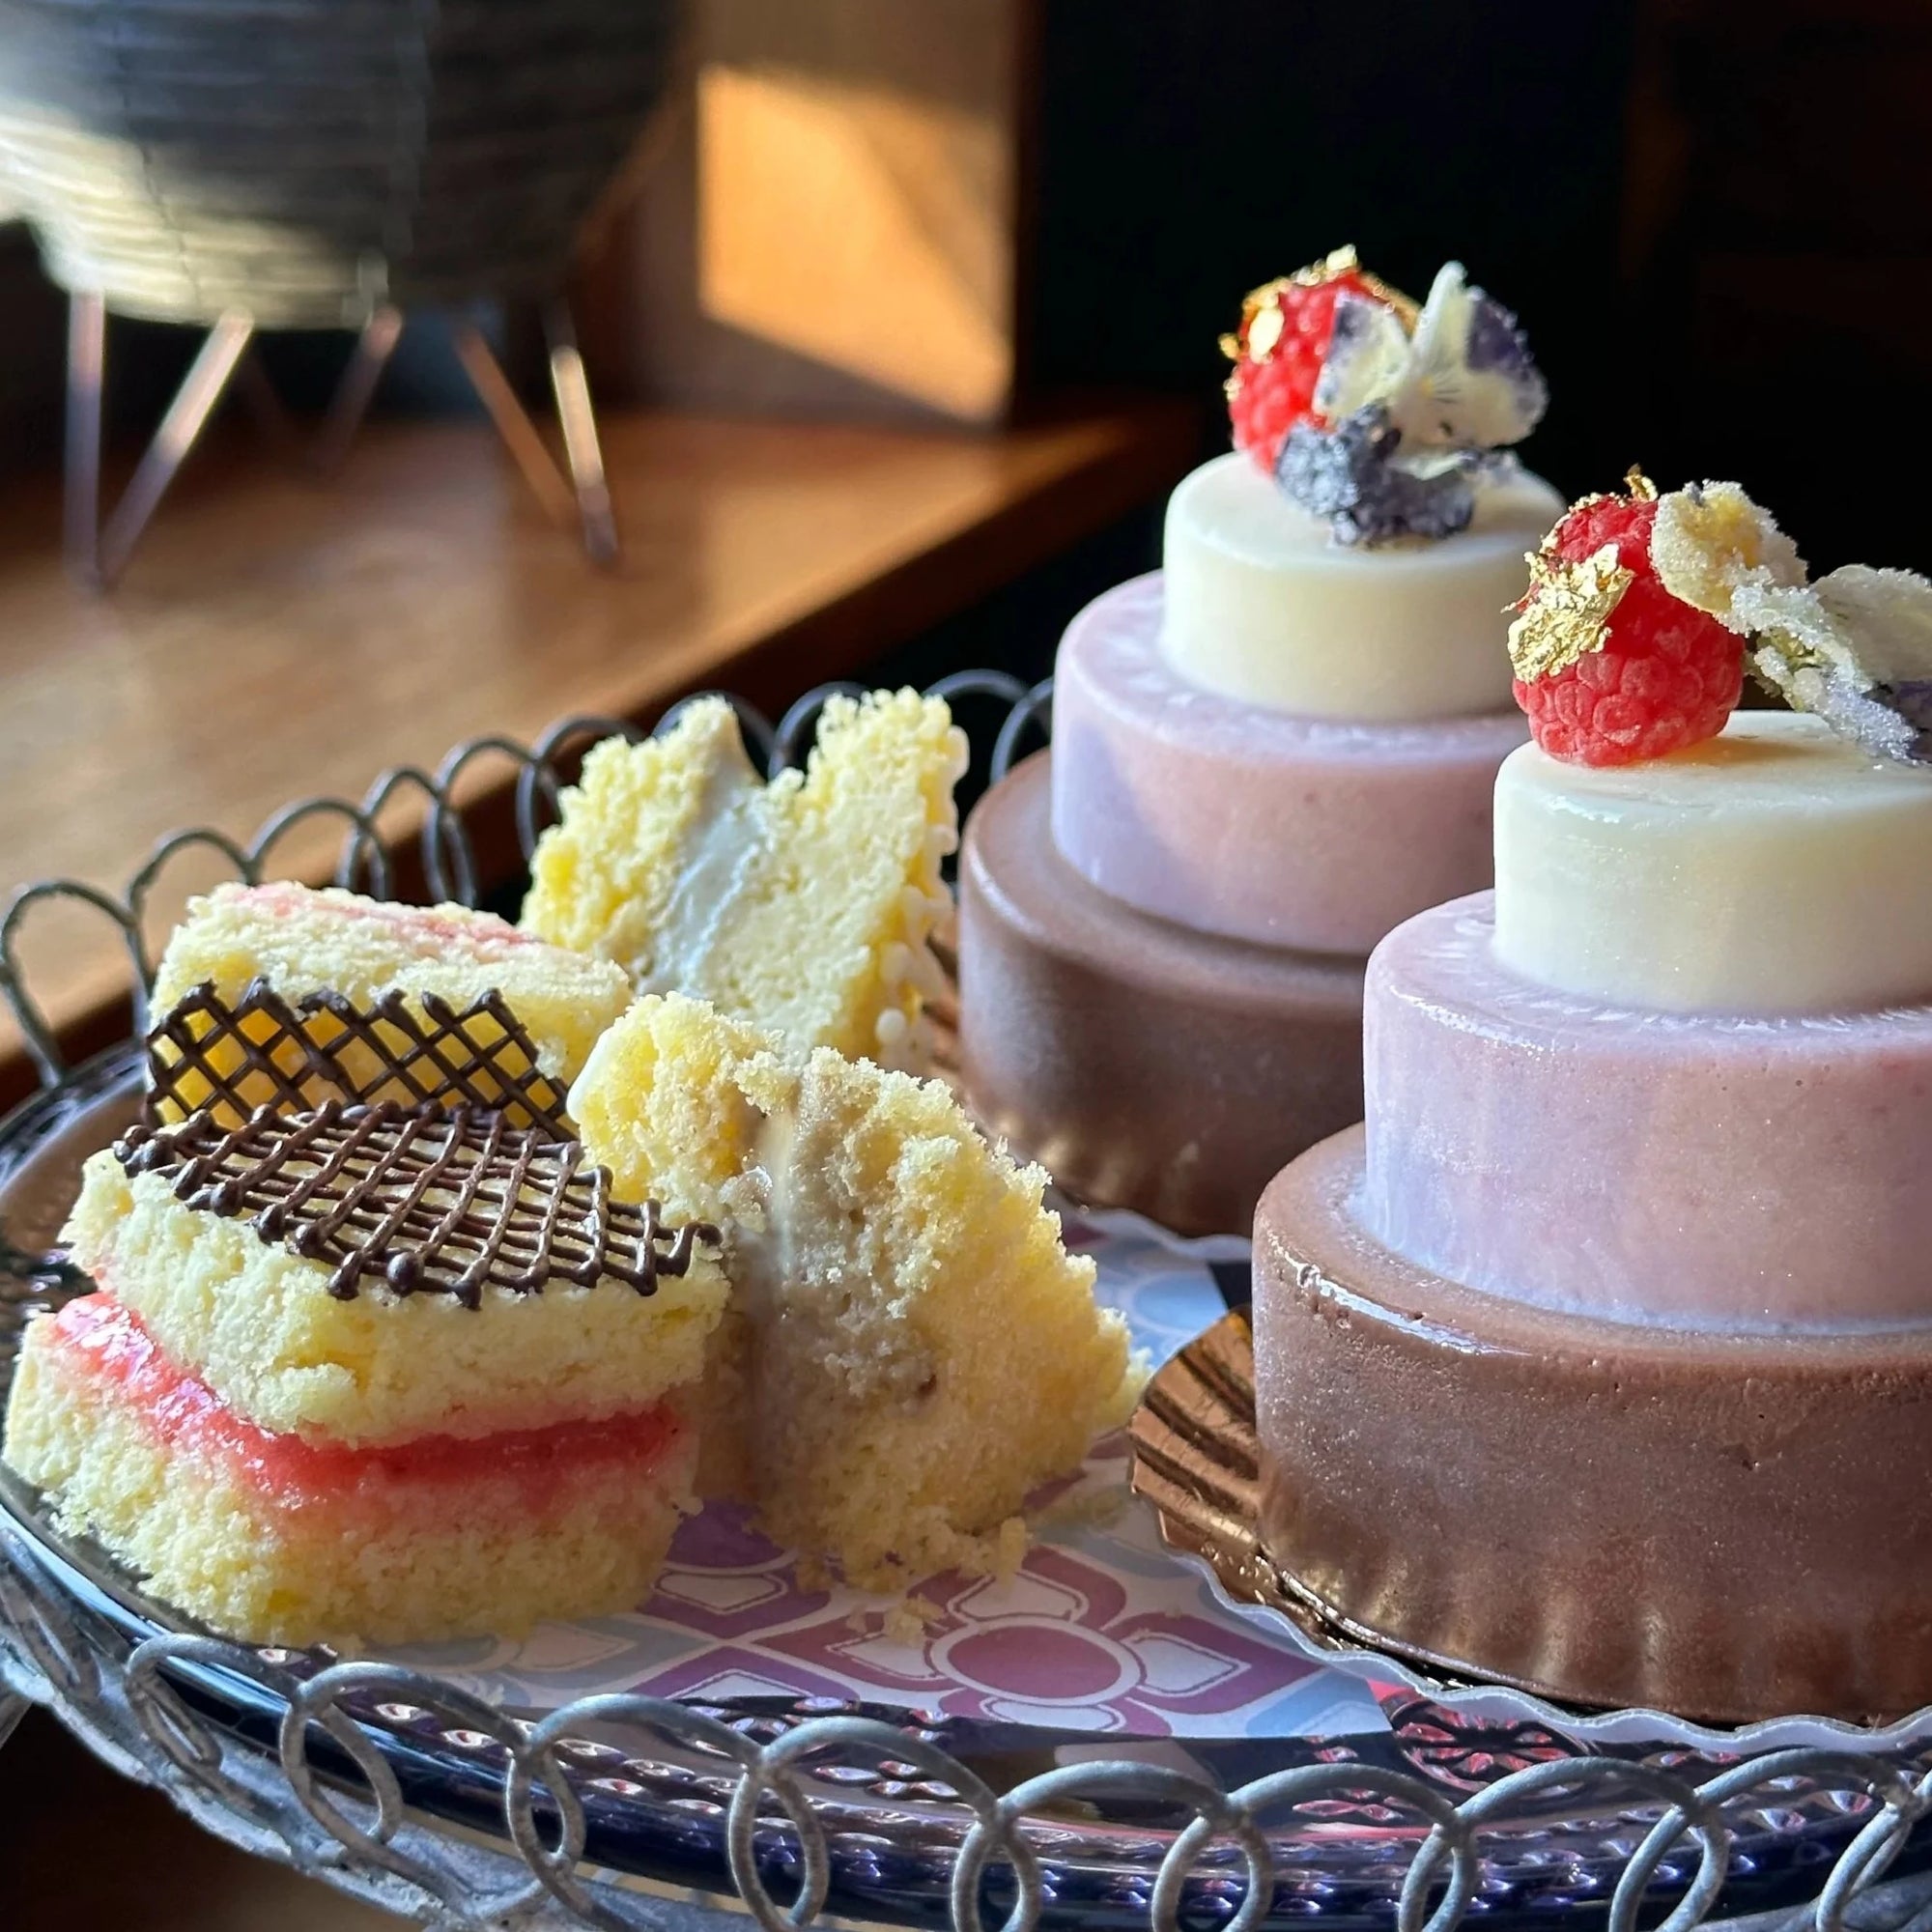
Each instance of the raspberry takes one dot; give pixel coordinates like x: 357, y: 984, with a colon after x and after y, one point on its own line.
x: 1272, y: 388
x: 1667, y: 674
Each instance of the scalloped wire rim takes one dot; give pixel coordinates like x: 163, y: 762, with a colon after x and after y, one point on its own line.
x: 353, y: 1827
x: 447, y: 847
x: 354, y: 1815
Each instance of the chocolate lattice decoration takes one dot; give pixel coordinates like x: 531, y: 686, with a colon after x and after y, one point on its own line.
x: 428, y: 1200
x: 266, y: 1051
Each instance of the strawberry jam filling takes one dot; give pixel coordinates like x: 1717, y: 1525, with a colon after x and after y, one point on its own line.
x: 533, y: 1469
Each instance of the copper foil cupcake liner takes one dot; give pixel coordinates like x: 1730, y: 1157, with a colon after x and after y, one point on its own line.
x: 1196, y: 1459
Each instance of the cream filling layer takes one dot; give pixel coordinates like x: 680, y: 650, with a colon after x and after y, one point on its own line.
x: 823, y: 1287
x: 728, y: 842
x: 721, y: 848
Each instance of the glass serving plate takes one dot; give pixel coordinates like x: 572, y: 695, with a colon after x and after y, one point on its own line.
x: 403, y: 1781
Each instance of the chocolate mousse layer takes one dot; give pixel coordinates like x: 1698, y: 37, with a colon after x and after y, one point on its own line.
x: 1145, y: 1066
x: 1723, y: 1526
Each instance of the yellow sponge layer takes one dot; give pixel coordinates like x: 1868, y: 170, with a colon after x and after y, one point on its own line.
x: 259, y: 1326
x: 369, y: 1570
x: 302, y: 941
x: 922, y: 1350
x: 806, y: 905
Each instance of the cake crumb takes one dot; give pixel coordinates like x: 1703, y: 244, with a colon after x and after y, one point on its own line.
x: 1010, y: 1548
x: 909, y: 1619
x: 997, y: 1553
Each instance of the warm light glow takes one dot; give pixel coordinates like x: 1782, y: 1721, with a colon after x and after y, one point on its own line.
x: 860, y: 227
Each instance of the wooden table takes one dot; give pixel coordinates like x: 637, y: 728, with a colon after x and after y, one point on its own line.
x: 274, y: 638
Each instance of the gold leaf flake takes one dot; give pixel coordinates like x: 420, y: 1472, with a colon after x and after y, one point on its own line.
x: 1337, y: 262
x: 1639, y: 487
x: 1566, y: 612
x: 1264, y: 331
x: 1346, y: 262
x: 1268, y: 296
x: 1409, y: 310
x: 1259, y: 335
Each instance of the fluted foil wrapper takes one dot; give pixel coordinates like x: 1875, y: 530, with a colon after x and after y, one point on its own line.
x: 1196, y: 1460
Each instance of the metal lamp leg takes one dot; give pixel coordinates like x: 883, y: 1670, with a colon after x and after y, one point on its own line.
x: 86, y: 358
x: 572, y: 388
x: 356, y: 389
x: 98, y: 553
x: 265, y: 405
x: 348, y: 404
x: 584, y: 498
x: 520, y: 434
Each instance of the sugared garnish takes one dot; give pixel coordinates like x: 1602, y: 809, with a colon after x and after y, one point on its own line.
x: 1717, y: 575
x: 1716, y: 550
x: 1609, y: 666
x: 1372, y: 412
x: 420, y: 1200
x: 1856, y: 648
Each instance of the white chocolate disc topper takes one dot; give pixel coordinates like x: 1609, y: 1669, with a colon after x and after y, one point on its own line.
x: 1263, y: 606
x: 1775, y: 868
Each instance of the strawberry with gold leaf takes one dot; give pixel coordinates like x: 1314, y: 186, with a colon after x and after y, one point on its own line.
x: 1644, y: 612
x: 1373, y: 411
x: 1278, y: 353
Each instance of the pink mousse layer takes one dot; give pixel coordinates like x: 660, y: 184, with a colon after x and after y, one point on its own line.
x: 1316, y: 833
x: 531, y: 1469
x: 1706, y: 1170
x: 426, y: 928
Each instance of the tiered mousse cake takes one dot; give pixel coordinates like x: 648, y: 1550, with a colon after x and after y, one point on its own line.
x: 1265, y: 755
x: 1601, y: 1358
x: 368, y: 1373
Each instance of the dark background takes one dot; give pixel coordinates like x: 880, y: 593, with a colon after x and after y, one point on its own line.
x: 1713, y: 216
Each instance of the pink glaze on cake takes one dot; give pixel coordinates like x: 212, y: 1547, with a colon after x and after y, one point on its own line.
x: 533, y: 1469
x: 429, y: 929
x: 1706, y: 1171
x: 1315, y: 834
